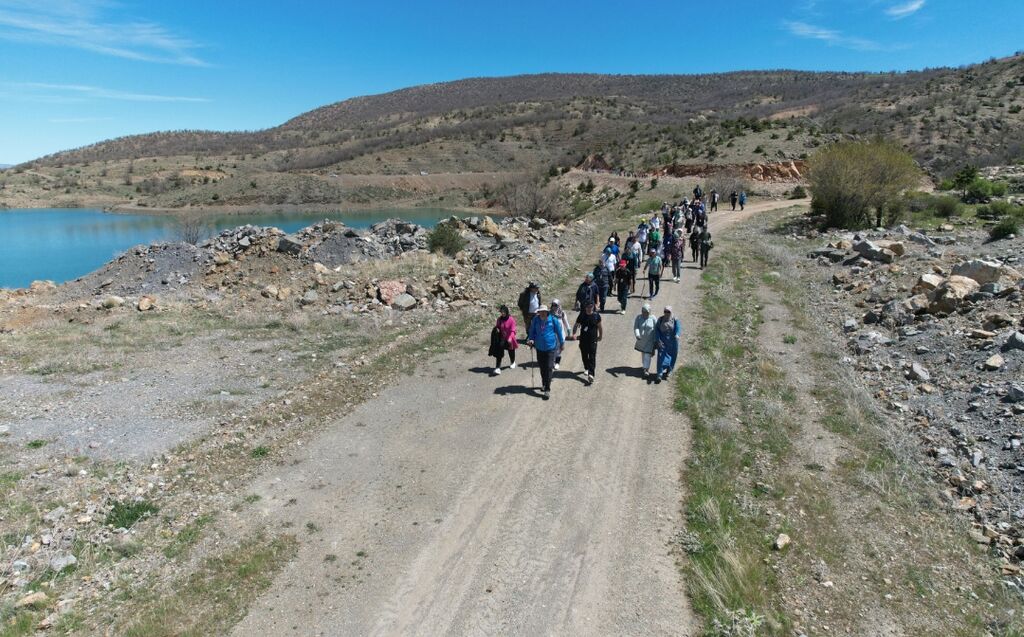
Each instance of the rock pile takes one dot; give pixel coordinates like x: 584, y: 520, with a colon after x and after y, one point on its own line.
x: 935, y: 324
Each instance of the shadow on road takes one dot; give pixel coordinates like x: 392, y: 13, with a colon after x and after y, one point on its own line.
x: 630, y: 372
x: 512, y: 390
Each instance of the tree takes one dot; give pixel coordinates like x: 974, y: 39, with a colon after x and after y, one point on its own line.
x: 964, y: 178
x: 854, y: 183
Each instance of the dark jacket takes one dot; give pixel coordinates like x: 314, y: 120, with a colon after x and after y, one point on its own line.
x: 587, y: 293
x: 524, y: 300
x: 601, y: 276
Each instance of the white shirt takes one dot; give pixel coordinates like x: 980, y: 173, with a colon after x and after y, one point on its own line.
x: 609, y: 263
x: 534, y: 303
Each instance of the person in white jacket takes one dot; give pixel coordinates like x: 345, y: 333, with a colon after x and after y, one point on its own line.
x: 644, y: 327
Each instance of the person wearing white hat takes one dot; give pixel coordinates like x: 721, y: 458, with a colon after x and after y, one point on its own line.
x: 646, y: 339
x: 558, y: 312
x: 546, y: 336
x: 667, y: 330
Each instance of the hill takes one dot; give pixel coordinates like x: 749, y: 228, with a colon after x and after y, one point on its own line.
x: 526, y: 124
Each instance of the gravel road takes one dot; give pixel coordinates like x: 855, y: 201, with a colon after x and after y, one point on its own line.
x: 461, y: 503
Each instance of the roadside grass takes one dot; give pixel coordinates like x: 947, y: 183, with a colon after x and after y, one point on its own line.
x: 211, y: 599
x: 187, y: 537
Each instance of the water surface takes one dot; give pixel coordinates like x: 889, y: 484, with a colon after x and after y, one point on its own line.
x: 62, y: 244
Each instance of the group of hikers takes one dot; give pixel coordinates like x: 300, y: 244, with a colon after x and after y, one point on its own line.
x: 656, y: 241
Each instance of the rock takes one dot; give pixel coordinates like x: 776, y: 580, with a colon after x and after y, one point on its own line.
x: 918, y: 372
x: 55, y: 515
x: 404, y: 301
x: 872, y: 251
x: 146, y: 304
x: 320, y: 268
x: 850, y: 325
x: 998, y: 320
x: 42, y: 286
x: 895, y: 247
x: 981, y: 334
x: 388, y: 291
x: 1014, y: 341
x: 1015, y: 393
x: 537, y: 223
x: 487, y: 226
x: 62, y: 561
x: 980, y: 270
x: 951, y: 294
x: 309, y: 298
x: 927, y: 283
x: 916, y: 237
x: 781, y: 542
x: 31, y: 599
x: 917, y: 304
x: 994, y: 363
x: 289, y: 244
x: 221, y: 258
x: 112, y: 301
x: 269, y: 291
x: 20, y: 566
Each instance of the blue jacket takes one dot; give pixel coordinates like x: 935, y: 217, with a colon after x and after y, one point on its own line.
x: 546, y: 335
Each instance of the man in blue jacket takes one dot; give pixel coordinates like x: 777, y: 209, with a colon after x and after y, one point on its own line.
x: 545, y: 334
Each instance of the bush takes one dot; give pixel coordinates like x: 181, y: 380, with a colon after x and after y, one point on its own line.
x: 945, y: 184
x: 798, y: 193
x: 947, y: 207
x: 978, y: 191
x: 124, y: 515
x: 855, y: 183
x: 445, y: 238
x: 999, y: 188
x: 1004, y: 229
x: 996, y: 210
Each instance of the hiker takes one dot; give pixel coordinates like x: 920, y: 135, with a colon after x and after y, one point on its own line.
x: 705, y: 246
x: 563, y: 324
x: 655, y: 240
x: 743, y: 199
x: 529, y: 301
x: 667, y: 330
x: 675, y: 246
x: 695, y: 243
x: 588, y: 324
x: 602, y: 281
x: 644, y: 326
x: 653, y: 268
x: 713, y: 201
x: 733, y: 198
x: 623, y: 283
x: 587, y: 292
x: 611, y: 261
x: 632, y: 257
x: 641, y: 236
x: 698, y: 194
x: 545, y: 334
x: 688, y: 218
x: 503, y: 339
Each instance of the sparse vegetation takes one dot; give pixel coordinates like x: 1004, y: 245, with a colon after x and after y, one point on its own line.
x: 1005, y: 228
x: 124, y: 515
x: 446, y: 239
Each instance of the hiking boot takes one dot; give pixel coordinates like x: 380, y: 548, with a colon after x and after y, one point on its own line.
x: 497, y: 371
x: 512, y: 366
x: 557, y: 366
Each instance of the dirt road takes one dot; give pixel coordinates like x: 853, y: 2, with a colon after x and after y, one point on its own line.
x: 461, y: 503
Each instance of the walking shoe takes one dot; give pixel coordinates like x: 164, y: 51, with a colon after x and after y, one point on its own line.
x: 512, y: 366
x: 557, y: 366
x: 592, y: 379
x: 497, y: 371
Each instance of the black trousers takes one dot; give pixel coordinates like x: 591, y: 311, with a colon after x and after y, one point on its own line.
x: 499, y: 357
x: 655, y: 283
x: 703, y: 256
x: 588, y: 350
x: 602, y: 294
x: 546, y: 362
x: 694, y: 250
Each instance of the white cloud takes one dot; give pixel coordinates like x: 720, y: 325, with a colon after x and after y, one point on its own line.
x: 905, y: 9
x: 831, y: 36
x: 43, y: 92
x: 82, y: 25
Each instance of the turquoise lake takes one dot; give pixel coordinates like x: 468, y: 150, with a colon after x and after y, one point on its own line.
x: 64, y: 244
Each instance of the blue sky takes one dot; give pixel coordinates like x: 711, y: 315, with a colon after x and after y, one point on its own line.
x: 76, y: 72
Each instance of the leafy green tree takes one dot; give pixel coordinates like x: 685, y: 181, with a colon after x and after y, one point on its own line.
x: 854, y: 183
x: 963, y: 178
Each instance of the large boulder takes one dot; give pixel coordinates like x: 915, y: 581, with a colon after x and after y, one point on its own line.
x: 404, y: 301
x: 489, y: 227
x: 874, y: 252
x: 951, y: 294
x: 388, y: 291
x: 289, y: 244
x: 896, y: 247
x: 980, y: 270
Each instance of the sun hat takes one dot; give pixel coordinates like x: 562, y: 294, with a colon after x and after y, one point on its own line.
x: 646, y: 307
x: 555, y: 302
x: 588, y: 275
x: 542, y: 308
x: 668, y: 308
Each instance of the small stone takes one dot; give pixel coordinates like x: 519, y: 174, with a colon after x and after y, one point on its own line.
x: 994, y: 363
x: 31, y: 599
x: 62, y: 561
x: 55, y: 515
x: 309, y: 298
x: 918, y: 372
x: 1015, y: 341
x: 1015, y: 394
x: 221, y: 258
x: 781, y: 542
x: 981, y: 334
x: 146, y: 303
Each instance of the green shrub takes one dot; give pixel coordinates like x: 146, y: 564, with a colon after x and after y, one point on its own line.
x: 996, y: 210
x: 446, y: 239
x: 945, y: 184
x: 123, y: 515
x: 999, y: 188
x: 947, y: 207
x: 798, y: 193
x: 1004, y: 228
x: 978, y: 190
